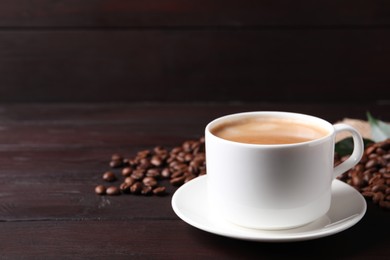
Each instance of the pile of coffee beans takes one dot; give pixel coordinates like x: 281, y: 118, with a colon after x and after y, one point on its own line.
x: 371, y: 176
x: 144, y: 173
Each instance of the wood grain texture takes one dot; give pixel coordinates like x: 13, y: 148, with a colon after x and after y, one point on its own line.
x: 172, y: 239
x: 172, y: 13
x: 169, y: 51
x: 195, y: 65
x: 53, y: 155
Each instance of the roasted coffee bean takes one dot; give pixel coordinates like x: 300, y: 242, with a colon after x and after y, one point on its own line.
x: 130, y: 180
x: 136, y: 188
x: 368, y: 194
x: 176, y: 174
x: 386, y: 156
x: 127, y: 171
x: 147, y: 190
x: 143, y: 153
x: 125, y: 187
x: 357, y: 181
x: 173, y: 163
x: 116, y: 157
x: 138, y: 174
x: 116, y: 160
x: 155, y: 173
x: 376, y: 179
x: 378, y: 196
x: 149, y: 181
x: 160, y: 150
x: 188, y: 157
x: 178, y: 181
x: 116, y: 164
x: 358, y: 168
x: 367, y: 176
x: 379, y: 187
x: 100, y: 189
x: 180, y: 167
x: 187, y: 146
x: 193, y: 170
x: 384, y: 172
x: 371, y: 163
x: 109, y: 176
x: 176, y: 150
x: 112, y: 190
x: 156, y: 161
x: 159, y: 191
x: 370, y: 150
x: 145, y: 164
x: 197, y: 162
x: 132, y: 162
x: 166, y: 173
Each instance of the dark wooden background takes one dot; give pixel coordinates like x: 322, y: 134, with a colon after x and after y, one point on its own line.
x: 94, y: 77
x: 160, y: 51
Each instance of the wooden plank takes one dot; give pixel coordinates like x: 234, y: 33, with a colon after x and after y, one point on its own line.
x: 41, y: 130
x: 92, y: 130
x: 62, y: 196
x: 155, y: 13
x: 172, y: 239
x: 213, y: 65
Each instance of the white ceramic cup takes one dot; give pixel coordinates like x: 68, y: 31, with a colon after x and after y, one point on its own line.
x: 274, y: 186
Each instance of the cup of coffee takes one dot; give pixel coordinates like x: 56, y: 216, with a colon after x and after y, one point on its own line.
x: 273, y: 170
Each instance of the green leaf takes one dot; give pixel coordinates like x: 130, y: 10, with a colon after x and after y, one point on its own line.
x: 380, y: 131
x: 345, y: 146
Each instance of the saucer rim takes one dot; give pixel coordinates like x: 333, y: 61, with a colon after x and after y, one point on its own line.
x: 274, y: 235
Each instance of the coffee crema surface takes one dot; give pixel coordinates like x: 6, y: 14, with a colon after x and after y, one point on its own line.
x: 262, y: 130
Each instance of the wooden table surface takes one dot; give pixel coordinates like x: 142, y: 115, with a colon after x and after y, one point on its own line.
x: 53, y: 155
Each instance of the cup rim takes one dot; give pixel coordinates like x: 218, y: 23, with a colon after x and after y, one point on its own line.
x: 282, y: 114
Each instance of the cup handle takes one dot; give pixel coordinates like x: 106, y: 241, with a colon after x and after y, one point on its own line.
x: 358, y: 149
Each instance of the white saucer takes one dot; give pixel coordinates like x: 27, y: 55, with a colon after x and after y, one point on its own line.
x: 190, y: 203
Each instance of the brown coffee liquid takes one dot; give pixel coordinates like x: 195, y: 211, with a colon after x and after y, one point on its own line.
x: 268, y: 131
